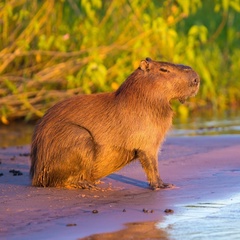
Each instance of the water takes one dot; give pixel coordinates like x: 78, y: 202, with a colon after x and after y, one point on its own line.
x: 218, y: 220
x: 207, y: 125
x: 20, y: 133
x: 16, y: 134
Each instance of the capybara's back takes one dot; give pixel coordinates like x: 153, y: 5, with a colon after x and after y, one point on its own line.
x: 87, y: 137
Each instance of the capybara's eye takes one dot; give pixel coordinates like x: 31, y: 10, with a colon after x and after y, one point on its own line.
x: 164, y: 70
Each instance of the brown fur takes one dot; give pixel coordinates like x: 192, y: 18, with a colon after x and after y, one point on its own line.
x: 87, y: 137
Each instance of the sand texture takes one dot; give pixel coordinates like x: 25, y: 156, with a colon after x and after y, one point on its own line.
x: 202, y: 168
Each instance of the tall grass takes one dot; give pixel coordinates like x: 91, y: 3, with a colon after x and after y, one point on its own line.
x: 50, y: 50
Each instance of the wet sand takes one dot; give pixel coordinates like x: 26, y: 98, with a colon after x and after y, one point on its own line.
x: 204, y: 169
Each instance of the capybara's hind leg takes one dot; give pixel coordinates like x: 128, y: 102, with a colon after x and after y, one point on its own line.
x: 81, y: 159
x: 69, y: 162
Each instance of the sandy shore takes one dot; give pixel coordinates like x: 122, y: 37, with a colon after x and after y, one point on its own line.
x: 203, y: 169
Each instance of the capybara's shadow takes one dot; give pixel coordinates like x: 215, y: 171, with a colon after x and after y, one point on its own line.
x: 128, y: 180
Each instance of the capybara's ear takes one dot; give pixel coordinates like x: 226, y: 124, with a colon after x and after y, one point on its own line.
x: 144, y: 65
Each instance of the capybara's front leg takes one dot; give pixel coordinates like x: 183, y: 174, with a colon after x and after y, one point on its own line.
x: 150, y: 166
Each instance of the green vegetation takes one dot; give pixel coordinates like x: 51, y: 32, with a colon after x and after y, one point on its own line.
x: 50, y: 50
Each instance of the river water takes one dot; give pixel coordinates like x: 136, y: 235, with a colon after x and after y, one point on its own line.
x: 215, y: 220
x: 228, y: 123
x: 20, y: 133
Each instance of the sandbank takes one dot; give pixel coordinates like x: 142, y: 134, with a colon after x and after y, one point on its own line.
x: 202, y: 168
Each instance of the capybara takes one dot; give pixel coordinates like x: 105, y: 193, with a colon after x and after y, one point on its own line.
x: 87, y: 137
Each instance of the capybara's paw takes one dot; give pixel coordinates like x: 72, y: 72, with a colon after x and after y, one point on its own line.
x: 82, y: 185
x: 161, y: 185
x: 88, y: 185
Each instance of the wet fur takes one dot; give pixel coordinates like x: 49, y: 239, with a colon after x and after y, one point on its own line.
x: 87, y: 137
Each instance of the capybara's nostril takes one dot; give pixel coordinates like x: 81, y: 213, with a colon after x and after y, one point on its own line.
x: 195, y: 82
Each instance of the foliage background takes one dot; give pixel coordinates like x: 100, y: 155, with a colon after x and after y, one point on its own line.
x: 50, y: 50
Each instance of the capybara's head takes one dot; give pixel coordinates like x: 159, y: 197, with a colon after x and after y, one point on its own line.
x: 176, y: 81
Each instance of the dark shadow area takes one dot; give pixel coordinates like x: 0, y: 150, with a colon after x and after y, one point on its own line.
x: 128, y: 180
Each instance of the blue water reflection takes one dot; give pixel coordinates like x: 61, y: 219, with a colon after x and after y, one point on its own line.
x: 218, y: 220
